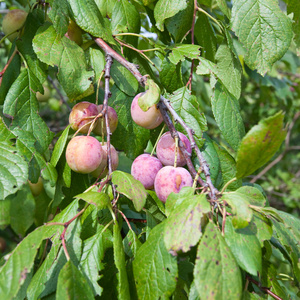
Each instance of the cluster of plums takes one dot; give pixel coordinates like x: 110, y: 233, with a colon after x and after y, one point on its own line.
x: 159, y: 172
x: 85, y: 154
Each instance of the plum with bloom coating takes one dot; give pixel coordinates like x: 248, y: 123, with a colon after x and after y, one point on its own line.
x: 84, y: 154
x: 112, y: 121
x: 170, y: 179
x: 144, y: 168
x: 148, y: 119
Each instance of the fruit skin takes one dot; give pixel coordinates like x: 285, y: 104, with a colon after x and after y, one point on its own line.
x: 170, y: 179
x: 84, y: 154
x: 36, y: 188
x: 165, y: 149
x: 44, y: 98
x: 102, y: 169
x: 74, y: 33
x: 148, y: 119
x: 13, y: 20
x: 112, y: 121
x: 81, y: 114
x: 145, y: 168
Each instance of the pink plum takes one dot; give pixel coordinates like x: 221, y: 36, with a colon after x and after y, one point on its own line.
x: 165, y: 149
x: 144, y: 168
x: 84, y: 154
x: 148, y: 119
x: 170, y: 179
x: 112, y: 121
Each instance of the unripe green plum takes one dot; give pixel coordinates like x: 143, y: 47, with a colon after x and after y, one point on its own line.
x: 148, y: 119
x: 74, y: 33
x: 102, y: 169
x: 44, y: 97
x: 13, y: 20
x: 112, y: 121
x: 165, y: 149
x: 81, y: 114
x: 36, y: 188
x: 170, y: 179
x: 84, y: 154
x: 145, y: 168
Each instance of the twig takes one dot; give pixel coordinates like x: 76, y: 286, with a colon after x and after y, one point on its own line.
x: 125, y: 218
x: 7, y: 64
x: 264, y: 289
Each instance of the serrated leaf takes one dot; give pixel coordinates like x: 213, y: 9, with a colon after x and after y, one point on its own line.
x: 97, y: 59
x: 186, y: 105
x: 183, y: 226
x: 155, y: 207
x: 242, y: 214
x: 224, y: 8
x: 170, y: 75
x: 68, y: 57
x: 255, y: 196
x: 293, y: 7
x: 59, y: 146
x: 260, y: 144
x: 154, y: 264
x: 13, y: 172
x: 229, y: 70
x: 89, y: 18
x: 292, y: 223
x: 181, y: 51
x: 100, y: 200
x: 59, y: 15
x: 119, y: 255
x: 106, y: 7
x: 131, y: 244
x: 151, y: 95
x: 165, y: 9
x: 72, y: 284
x: 206, y: 67
x: 129, y: 137
x: 213, y: 257
x: 92, y: 256
x: 227, y: 115
x: 180, y: 24
x: 131, y: 188
x: 124, y: 80
x: 263, y: 29
x: 245, y: 247
x: 21, y: 106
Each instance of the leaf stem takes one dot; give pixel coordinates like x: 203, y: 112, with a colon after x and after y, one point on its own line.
x: 208, y: 15
x: 227, y: 184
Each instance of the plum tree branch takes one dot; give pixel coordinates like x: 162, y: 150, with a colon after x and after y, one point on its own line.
x: 166, y: 106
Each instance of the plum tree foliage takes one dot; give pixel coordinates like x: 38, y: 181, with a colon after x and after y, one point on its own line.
x: 154, y: 155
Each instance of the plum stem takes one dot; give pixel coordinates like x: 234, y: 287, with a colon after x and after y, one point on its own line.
x: 160, y: 134
x: 176, y: 152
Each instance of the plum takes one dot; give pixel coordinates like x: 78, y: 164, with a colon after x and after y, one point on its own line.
x: 148, y: 119
x: 44, y: 97
x: 112, y: 121
x: 74, y: 33
x: 36, y: 188
x: 165, y: 149
x: 144, y: 168
x: 170, y: 179
x: 102, y: 169
x: 81, y: 114
x: 84, y: 154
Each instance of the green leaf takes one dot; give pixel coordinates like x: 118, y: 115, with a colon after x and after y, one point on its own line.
x: 89, y: 18
x: 186, y: 105
x: 240, y: 207
x: 170, y: 75
x: 59, y: 146
x: 293, y: 7
x: 245, y: 247
x: 100, y: 200
x: 229, y: 70
x: 68, y: 57
x: 165, y: 9
x: 21, y: 106
x: 292, y: 223
x: 155, y: 207
x: 181, y: 23
x: 216, y: 273
x: 14, y: 170
x: 72, y: 284
x: 255, y: 196
x: 92, y: 256
x: 129, y: 137
x: 124, y: 80
x: 263, y: 29
x: 106, y: 7
x: 183, y: 227
x: 224, y: 8
x: 119, y: 255
x: 151, y: 96
x: 260, y: 144
x: 97, y: 59
x: 227, y: 115
x: 182, y: 51
x: 154, y: 264
x: 131, y: 188
x: 131, y: 244
x: 59, y: 15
